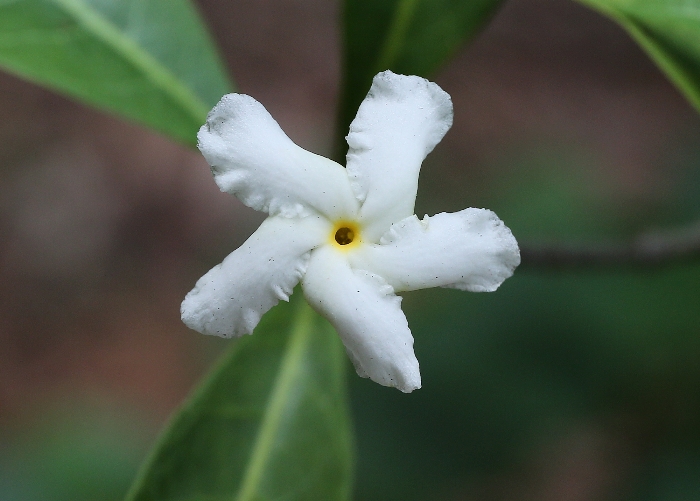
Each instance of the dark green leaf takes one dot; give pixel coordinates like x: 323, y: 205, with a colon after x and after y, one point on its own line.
x: 271, y: 422
x: 412, y: 37
x: 149, y: 60
x: 669, y: 31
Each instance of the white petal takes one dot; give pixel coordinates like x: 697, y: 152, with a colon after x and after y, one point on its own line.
x: 368, y: 318
x: 229, y: 300
x: 252, y: 158
x: 398, y: 124
x: 469, y: 250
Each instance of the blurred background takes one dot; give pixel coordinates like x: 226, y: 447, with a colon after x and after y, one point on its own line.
x: 564, y: 385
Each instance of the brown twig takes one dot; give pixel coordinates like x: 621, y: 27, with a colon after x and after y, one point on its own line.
x: 648, y: 249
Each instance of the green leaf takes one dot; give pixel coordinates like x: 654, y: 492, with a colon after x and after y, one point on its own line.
x: 669, y: 31
x: 412, y: 37
x: 149, y: 60
x: 271, y: 422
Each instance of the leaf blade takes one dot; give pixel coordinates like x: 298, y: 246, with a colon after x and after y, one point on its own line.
x: 413, y: 37
x: 281, y: 432
x: 668, y: 30
x: 134, y: 58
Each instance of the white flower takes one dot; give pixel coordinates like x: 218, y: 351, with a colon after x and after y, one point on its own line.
x: 348, y: 234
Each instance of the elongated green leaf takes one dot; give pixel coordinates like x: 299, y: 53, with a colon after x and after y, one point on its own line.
x: 149, y: 60
x: 412, y: 37
x: 669, y: 31
x: 271, y: 422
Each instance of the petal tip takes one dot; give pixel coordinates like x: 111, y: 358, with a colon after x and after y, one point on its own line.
x: 503, y: 253
x: 410, y: 385
x: 221, y: 118
x: 401, y: 87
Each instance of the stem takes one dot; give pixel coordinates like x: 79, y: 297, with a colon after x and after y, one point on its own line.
x: 648, y: 249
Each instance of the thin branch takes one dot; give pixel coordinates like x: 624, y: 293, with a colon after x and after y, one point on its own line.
x: 648, y: 249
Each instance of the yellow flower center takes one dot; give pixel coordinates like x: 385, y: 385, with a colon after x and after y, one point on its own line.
x: 345, y: 235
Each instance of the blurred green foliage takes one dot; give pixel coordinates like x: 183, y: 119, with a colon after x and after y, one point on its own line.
x: 510, y: 374
x: 71, y: 451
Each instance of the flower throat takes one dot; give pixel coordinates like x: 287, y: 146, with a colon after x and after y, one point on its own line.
x: 344, y: 236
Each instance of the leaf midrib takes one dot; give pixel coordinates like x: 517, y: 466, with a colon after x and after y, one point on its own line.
x: 272, y: 416
x: 149, y: 66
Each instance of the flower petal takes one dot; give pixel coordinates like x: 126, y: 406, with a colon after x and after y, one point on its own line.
x: 229, y: 300
x: 469, y: 250
x: 253, y: 159
x: 398, y: 124
x: 368, y: 318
